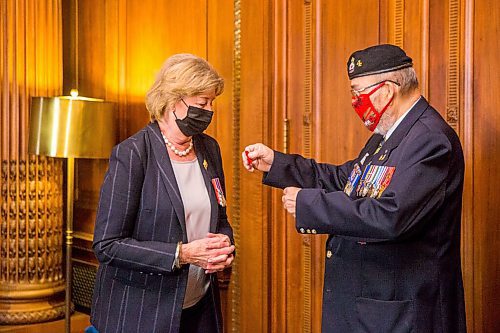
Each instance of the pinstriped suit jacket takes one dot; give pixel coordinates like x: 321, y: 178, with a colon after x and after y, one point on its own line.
x: 139, y: 221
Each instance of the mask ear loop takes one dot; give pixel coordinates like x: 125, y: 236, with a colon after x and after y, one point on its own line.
x: 374, y: 111
x: 175, y: 114
x: 164, y: 109
x: 184, y: 104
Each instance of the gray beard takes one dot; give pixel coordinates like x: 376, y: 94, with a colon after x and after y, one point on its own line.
x: 385, y: 124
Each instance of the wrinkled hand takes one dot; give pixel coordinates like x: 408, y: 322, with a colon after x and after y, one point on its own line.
x: 225, y: 260
x: 261, y: 155
x: 289, y: 199
x: 212, y: 253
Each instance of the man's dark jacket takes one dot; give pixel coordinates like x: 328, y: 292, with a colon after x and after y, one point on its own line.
x: 392, y: 260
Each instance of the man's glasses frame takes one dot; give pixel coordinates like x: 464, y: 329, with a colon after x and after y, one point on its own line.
x: 357, y: 92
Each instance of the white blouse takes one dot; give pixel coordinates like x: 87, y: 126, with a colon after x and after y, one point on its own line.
x: 197, y: 211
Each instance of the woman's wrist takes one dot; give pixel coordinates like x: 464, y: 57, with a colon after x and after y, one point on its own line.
x: 183, y: 253
x: 178, y: 255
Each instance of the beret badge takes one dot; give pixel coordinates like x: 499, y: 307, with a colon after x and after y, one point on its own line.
x: 351, y: 66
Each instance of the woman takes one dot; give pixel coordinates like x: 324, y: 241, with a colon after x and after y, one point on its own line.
x: 161, y: 229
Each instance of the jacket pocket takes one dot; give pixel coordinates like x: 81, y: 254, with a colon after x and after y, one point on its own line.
x: 384, y: 316
x: 131, y: 278
x: 335, y: 245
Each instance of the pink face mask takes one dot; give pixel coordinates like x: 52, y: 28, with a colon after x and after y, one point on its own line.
x: 365, y: 109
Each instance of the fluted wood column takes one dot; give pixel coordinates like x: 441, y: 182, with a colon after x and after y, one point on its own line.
x: 31, y: 205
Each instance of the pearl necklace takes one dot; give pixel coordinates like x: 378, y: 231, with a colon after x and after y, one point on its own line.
x: 176, y: 151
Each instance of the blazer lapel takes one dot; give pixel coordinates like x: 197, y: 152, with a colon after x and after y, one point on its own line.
x: 167, y: 173
x: 207, y: 169
x: 401, y: 131
x: 405, y: 126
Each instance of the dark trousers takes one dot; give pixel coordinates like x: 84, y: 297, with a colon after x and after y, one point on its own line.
x: 199, y: 318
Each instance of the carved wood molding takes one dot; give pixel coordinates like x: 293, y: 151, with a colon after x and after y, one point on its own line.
x: 453, y: 77
x: 31, y: 239
x: 399, y: 20
x: 235, y: 199
x: 22, y: 317
x: 31, y: 229
x: 307, y: 152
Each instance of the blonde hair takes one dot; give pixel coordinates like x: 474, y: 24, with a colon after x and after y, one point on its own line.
x: 181, y: 75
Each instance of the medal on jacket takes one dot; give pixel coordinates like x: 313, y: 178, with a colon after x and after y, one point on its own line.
x: 363, y: 159
x: 375, y: 180
x: 221, y: 200
x: 352, y: 182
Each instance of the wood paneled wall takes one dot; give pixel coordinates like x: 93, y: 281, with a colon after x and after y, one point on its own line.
x: 113, y: 49
x: 31, y: 192
x: 286, y: 86
x: 481, y: 136
x: 453, y: 45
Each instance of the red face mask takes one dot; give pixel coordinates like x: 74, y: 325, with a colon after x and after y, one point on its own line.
x: 365, y: 109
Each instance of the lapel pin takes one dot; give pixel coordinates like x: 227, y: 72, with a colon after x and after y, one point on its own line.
x: 205, y: 164
x: 383, y: 156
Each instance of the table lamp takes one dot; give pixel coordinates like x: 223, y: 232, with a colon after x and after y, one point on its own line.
x: 71, y: 127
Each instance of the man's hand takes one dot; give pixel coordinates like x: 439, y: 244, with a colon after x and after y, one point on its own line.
x: 261, y: 157
x: 289, y: 199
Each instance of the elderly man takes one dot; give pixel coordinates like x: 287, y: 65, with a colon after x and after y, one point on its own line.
x: 392, y: 213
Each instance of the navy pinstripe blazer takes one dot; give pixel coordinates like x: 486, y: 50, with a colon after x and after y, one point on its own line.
x: 392, y: 262
x: 139, y: 221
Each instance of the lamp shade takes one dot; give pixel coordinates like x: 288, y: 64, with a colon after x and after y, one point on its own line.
x: 71, y: 127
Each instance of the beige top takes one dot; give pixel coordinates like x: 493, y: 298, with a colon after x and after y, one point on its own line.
x: 197, y: 211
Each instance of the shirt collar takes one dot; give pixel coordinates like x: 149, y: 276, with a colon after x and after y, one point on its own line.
x: 393, y: 127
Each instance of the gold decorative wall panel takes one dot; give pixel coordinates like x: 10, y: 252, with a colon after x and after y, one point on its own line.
x: 453, y: 79
x: 399, y: 22
x: 235, y: 197
x: 306, y: 150
x: 31, y: 277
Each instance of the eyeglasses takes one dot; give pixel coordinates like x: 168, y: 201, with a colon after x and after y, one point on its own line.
x: 357, y: 92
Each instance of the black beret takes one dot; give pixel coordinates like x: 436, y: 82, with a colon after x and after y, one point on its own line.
x: 377, y: 59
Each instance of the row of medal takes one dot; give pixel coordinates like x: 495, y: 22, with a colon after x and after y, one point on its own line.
x: 372, y: 183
